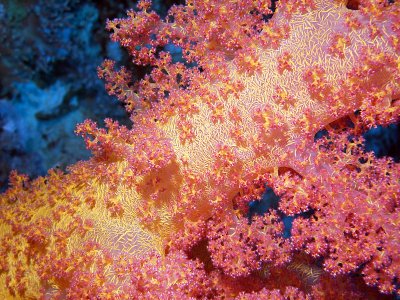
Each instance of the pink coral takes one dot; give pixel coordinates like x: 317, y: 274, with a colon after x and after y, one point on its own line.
x: 161, y: 210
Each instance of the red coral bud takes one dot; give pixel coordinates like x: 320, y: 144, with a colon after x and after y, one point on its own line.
x: 285, y: 62
x: 339, y: 44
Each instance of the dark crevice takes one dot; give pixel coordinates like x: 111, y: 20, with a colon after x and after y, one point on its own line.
x: 353, y: 4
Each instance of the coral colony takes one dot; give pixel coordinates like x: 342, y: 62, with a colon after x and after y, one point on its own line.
x: 265, y: 95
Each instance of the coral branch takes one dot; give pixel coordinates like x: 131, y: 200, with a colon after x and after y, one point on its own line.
x: 161, y: 210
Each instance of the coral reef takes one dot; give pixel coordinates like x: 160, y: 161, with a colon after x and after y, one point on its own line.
x: 162, y: 210
x: 49, y: 51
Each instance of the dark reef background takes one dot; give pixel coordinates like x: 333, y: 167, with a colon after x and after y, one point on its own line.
x: 49, y: 52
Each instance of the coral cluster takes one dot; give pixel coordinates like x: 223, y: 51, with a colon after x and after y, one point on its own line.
x: 161, y: 210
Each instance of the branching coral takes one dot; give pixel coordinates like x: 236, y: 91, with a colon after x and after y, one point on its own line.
x: 160, y: 210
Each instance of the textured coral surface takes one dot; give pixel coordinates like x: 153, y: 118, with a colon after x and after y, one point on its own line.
x: 160, y: 211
